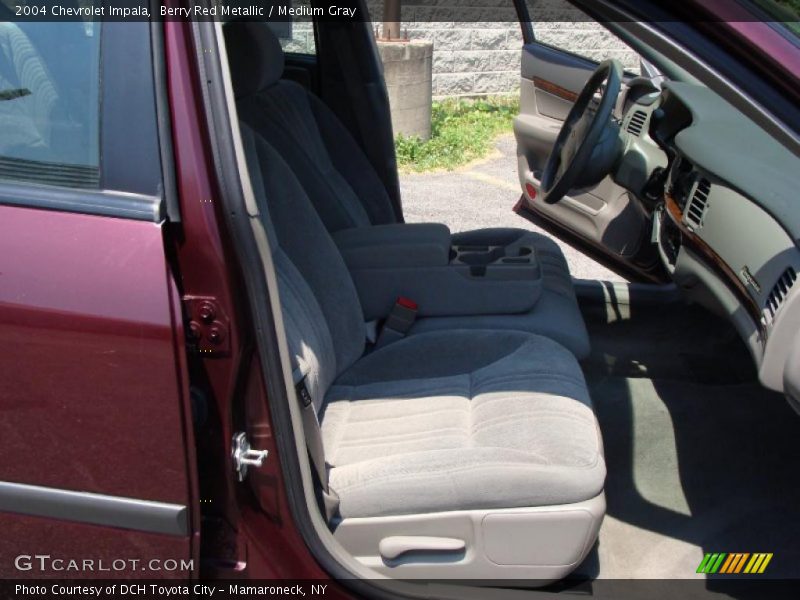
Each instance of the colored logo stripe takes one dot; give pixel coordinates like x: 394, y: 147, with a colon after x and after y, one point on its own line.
x: 732, y: 563
x: 758, y: 563
x: 711, y: 563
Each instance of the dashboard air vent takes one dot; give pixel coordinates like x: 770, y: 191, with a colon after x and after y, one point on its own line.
x: 699, y: 203
x: 636, y: 124
x: 778, y: 294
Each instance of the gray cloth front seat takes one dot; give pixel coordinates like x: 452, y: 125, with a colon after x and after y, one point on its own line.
x: 347, y: 193
x: 442, y: 421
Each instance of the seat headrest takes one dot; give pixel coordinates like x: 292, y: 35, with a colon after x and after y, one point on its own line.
x: 255, y: 56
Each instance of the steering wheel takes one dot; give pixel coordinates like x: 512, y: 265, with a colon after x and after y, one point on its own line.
x: 588, y: 145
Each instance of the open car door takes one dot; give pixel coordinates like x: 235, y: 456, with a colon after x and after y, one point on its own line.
x: 604, y: 221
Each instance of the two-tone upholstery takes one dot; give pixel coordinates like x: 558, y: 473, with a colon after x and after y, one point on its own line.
x: 347, y: 193
x: 442, y: 421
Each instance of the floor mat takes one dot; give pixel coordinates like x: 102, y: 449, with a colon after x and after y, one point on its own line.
x: 700, y: 457
x: 695, y: 468
x: 667, y: 341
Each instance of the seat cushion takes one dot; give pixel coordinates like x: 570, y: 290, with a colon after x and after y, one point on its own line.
x: 461, y: 420
x: 555, y: 315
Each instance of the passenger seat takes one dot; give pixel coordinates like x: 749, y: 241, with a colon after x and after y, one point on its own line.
x: 449, y: 454
x: 347, y: 193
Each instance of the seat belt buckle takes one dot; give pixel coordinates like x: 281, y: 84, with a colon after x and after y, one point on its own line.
x: 402, y: 316
x: 399, y: 322
x: 303, y: 394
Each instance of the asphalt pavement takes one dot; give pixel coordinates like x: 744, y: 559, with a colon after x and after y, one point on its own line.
x: 482, y: 194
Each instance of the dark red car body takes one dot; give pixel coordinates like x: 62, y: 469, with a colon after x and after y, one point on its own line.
x: 96, y: 379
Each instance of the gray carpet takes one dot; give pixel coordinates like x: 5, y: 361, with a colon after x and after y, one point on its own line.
x: 700, y: 457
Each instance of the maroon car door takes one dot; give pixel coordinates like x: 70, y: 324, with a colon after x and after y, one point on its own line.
x: 98, y: 475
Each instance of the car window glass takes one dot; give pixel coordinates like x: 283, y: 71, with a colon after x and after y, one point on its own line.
x: 49, y: 102
x: 296, y: 36
x: 561, y: 25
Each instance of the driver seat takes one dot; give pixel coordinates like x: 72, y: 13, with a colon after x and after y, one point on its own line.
x: 347, y: 192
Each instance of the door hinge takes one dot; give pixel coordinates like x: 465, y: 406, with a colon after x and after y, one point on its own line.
x: 244, y: 456
x: 208, y: 327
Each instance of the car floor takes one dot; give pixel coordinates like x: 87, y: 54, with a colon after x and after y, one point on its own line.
x: 700, y: 457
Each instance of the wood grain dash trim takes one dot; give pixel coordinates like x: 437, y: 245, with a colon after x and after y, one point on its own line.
x: 555, y: 89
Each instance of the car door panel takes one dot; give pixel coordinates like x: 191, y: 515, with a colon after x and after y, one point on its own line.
x: 96, y: 421
x: 557, y: 77
x: 605, y: 217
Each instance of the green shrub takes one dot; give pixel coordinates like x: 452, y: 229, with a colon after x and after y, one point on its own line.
x: 461, y: 131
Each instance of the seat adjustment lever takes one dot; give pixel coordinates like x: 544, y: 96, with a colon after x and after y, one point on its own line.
x: 395, y: 546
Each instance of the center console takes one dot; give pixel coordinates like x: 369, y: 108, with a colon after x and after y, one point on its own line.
x: 418, y: 261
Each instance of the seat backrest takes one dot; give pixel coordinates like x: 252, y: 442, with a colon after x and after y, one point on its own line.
x: 334, y: 171
x: 321, y: 311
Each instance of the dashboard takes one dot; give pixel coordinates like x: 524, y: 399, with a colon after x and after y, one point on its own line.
x: 727, y: 217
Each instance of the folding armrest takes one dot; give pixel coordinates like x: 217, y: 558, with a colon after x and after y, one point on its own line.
x: 418, y: 261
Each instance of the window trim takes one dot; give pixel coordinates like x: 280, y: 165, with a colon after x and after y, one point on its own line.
x: 128, y: 111
x: 524, y: 18
x: 164, y: 123
x: 627, y: 75
x: 108, y: 203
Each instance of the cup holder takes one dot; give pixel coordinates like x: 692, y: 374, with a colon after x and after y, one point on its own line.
x: 479, y: 256
x: 496, y: 263
x: 523, y: 257
x: 472, y: 248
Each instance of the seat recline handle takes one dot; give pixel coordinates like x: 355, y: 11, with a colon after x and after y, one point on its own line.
x: 395, y: 546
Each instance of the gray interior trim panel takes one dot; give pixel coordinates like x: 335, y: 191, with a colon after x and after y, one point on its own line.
x: 105, y: 203
x: 729, y: 91
x: 96, y: 509
x: 727, y: 144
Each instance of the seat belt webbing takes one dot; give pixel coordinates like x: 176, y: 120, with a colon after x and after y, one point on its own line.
x: 316, y: 451
x: 311, y: 429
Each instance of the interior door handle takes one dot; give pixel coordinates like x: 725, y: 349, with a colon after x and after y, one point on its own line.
x: 392, y: 547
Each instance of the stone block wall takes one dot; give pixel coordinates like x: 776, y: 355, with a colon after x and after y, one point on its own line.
x: 478, y: 57
x: 477, y: 43
x: 472, y: 59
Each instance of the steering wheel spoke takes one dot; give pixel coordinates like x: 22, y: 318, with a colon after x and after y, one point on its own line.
x: 583, y: 128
